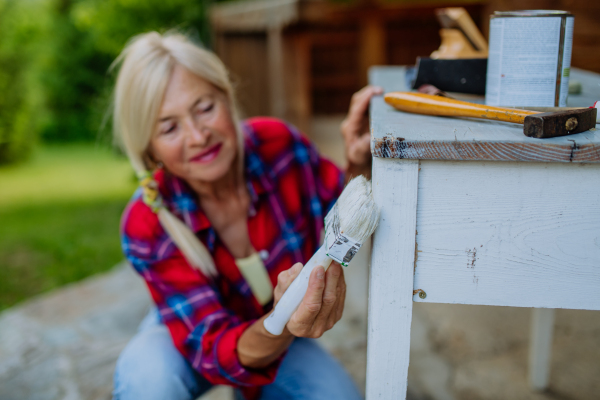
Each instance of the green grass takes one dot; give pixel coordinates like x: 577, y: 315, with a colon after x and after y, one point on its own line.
x: 65, y: 173
x: 59, y: 218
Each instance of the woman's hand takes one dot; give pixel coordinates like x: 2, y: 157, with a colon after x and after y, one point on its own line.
x: 323, y: 303
x: 355, y: 131
x: 321, y: 308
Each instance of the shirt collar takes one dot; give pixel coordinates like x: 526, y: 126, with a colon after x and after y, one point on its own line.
x: 181, y: 199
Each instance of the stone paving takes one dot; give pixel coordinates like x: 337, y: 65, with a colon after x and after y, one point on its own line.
x: 64, y: 344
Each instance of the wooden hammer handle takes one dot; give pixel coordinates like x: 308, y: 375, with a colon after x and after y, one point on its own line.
x: 427, y: 104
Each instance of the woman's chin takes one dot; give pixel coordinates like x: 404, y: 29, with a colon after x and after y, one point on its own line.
x: 210, y: 173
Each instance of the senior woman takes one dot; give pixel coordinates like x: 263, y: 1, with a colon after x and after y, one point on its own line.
x: 227, y: 213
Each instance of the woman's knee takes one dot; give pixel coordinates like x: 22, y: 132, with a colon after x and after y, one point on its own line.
x: 150, y: 367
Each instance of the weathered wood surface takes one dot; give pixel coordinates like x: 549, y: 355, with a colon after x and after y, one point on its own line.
x: 391, y: 279
x: 396, y: 134
x: 510, y: 234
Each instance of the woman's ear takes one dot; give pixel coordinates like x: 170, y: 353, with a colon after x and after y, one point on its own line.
x: 151, y: 161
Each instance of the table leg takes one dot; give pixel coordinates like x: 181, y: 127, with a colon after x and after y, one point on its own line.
x: 391, y: 278
x: 540, y: 347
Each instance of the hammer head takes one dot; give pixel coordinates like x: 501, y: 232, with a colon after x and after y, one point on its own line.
x: 560, y: 123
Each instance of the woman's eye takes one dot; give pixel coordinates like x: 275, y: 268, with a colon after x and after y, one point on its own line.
x: 202, y: 108
x: 169, y: 128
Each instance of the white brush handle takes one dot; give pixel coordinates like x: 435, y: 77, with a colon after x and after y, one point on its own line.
x: 291, y: 299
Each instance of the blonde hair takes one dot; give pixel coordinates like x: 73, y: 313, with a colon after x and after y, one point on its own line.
x: 146, y: 65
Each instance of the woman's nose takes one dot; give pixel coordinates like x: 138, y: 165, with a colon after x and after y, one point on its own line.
x: 198, y: 134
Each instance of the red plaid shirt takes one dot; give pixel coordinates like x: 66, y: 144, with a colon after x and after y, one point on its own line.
x: 291, y: 187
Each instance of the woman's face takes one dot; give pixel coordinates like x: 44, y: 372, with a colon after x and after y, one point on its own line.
x: 195, y: 136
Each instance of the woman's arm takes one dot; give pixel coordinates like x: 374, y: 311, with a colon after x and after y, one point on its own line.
x: 355, y: 131
x: 320, y: 309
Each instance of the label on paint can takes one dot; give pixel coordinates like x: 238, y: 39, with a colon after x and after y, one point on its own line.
x: 529, y: 58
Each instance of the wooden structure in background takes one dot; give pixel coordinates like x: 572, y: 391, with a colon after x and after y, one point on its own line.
x: 296, y: 58
x: 460, y: 36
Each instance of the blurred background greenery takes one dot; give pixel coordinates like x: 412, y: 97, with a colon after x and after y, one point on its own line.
x: 54, y: 57
x: 59, y: 216
x: 62, y: 186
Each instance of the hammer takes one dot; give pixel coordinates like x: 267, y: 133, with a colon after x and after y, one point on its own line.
x: 536, y: 124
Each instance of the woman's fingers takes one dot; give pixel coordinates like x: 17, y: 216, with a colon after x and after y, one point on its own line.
x: 339, y: 310
x: 336, y: 312
x: 323, y: 303
x: 330, y: 297
x: 285, y: 279
x: 360, y: 102
x: 358, y: 108
x: 303, y: 319
x: 355, y: 130
x: 359, y: 150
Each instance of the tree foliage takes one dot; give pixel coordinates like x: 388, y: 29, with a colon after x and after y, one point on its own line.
x: 54, y: 57
x: 19, y: 37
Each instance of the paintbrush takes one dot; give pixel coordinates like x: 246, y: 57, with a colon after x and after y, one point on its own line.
x: 348, y: 224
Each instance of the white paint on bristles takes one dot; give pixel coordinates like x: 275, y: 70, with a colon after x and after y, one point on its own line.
x: 358, y: 214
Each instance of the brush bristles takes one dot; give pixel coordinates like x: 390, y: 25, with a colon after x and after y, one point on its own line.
x: 358, y: 213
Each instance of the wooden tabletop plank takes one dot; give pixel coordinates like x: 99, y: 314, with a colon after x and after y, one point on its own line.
x: 396, y: 134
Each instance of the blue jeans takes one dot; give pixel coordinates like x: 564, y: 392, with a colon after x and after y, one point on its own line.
x: 150, y: 367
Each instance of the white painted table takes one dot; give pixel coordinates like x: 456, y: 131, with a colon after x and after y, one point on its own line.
x: 474, y: 212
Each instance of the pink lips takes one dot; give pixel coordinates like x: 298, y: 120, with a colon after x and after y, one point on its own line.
x: 207, y: 155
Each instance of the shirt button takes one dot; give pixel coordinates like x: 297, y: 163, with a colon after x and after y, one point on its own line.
x: 251, y: 212
x: 263, y: 254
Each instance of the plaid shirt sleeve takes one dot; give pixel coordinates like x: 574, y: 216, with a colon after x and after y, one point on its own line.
x: 203, y: 330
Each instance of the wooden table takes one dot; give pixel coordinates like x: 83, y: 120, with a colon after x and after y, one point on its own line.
x: 474, y: 212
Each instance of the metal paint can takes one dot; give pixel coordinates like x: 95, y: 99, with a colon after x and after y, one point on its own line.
x: 529, y: 58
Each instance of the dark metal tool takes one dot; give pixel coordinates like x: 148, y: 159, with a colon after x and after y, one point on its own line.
x: 560, y: 123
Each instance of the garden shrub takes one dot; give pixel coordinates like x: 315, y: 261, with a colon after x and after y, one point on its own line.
x: 54, y: 57
x: 19, y: 35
